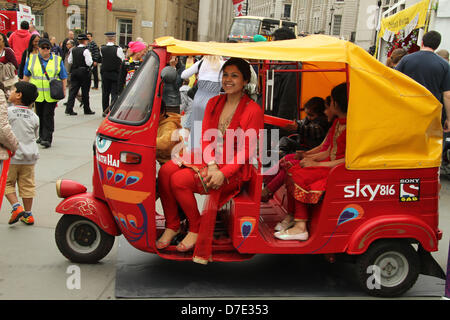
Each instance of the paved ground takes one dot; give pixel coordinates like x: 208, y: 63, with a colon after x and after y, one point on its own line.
x: 31, y: 267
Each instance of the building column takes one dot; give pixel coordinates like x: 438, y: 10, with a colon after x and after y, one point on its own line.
x: 203, y: 20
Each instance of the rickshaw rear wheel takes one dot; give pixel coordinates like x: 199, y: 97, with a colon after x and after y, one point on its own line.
x: 81, y: 240
x: 388, y: 268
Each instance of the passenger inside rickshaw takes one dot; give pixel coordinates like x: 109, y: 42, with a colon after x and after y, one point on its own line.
x: 306, y: 181
x: 310, y: 141
x: 217, y: 175
x: 309, y: 132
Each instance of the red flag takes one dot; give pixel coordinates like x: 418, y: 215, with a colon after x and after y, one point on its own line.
x: 238, y: 7
x: 12, y: 1
x: 109, y: 4
x: 65, y: 3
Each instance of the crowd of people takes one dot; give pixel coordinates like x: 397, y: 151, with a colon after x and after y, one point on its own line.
x: 35, y: 73
x: 430, y: 68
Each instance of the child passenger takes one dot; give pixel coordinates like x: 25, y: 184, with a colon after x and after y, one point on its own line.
x: 25, y: 125
x: 306, y: 181
x: 312, y: 131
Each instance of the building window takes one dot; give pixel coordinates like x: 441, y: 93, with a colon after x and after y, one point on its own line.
x: 125, y: 31
x: 287, y: 11
x: 39, y: 22
x: 337, y: 21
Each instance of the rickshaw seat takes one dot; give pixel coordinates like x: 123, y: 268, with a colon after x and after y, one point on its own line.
x: 250, y: 194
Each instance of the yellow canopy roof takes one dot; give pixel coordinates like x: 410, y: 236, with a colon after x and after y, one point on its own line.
x: 392, y: 122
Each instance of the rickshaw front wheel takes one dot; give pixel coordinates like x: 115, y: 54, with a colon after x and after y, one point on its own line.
x: 388, y: 268
x: 81, y: 240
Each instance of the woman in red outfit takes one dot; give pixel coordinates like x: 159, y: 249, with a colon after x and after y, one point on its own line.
x: 6, y: 53
x: 219, y: 170
x: 306, y: 181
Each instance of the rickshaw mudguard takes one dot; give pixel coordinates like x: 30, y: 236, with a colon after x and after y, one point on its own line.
x: 392, y: 227
x: 89, y: 207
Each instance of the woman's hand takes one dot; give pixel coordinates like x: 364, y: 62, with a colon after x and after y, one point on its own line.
x: 293, y: 126
x: 300, y: 154
x: 215, y: 178
x: 308, y: 162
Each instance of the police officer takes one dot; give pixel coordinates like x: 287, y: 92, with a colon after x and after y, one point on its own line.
x: 112, y: 57
x: 45, y: 105
x: 81, y: 60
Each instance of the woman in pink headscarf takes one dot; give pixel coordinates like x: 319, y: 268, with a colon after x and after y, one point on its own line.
x: 129, y: 66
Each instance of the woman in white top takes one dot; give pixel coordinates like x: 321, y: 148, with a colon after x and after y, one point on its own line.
x: 209, y: 84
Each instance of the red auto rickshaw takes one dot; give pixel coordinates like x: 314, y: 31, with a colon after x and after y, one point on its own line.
x: 380, y: 209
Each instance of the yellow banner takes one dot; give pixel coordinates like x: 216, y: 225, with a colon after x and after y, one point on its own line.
x: 404, y: 21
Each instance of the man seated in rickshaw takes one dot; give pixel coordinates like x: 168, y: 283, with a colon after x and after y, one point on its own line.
x: 311, y: 133
x: 306, y: 182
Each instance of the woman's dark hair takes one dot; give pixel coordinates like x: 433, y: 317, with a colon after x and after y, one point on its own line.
x: 339, y: 94
x: 5, y: 40
x: 327, y: 101
x: 241, y: 64
x: 316, y: 105
x: 29, y: 92
x: 30, y: 44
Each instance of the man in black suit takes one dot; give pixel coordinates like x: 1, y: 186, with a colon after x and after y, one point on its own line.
x: 81, y: 60
x: 112, y: 57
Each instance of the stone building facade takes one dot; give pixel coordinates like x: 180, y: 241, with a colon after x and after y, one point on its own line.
x: 277, y: 9
x: 335, y: 17
x: 130, y: 19
x: 214, y: 20
x: 332, y: 17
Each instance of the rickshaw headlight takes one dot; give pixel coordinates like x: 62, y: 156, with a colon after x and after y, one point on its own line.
x: 67, y: 188
x: 130, y: 158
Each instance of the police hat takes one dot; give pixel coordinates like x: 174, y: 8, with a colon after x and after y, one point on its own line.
x: 82, y: 37
x: 44, y: 41
x: 110, y: 34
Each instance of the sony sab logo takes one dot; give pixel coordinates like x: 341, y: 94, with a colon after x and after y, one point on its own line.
x: 409, y: 190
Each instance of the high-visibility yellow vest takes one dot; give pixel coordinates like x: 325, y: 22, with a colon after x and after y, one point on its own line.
x: 39, y: 79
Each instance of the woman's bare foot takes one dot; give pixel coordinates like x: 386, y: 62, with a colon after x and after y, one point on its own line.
x: 297, y: 232
x: 286, y: 223
x: 188, y: 242
x: 166, y: 238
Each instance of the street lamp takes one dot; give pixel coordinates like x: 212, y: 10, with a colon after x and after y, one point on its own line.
x: 331, y: 17
x: 378, y: 21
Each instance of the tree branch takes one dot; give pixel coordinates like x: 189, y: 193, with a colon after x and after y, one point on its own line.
x: 39, y: 5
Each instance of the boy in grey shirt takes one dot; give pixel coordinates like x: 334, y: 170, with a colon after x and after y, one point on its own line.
x: 25, y: 125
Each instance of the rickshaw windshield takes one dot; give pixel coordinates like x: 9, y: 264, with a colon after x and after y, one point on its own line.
x: 245, y: 27
x: 135, y: 104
